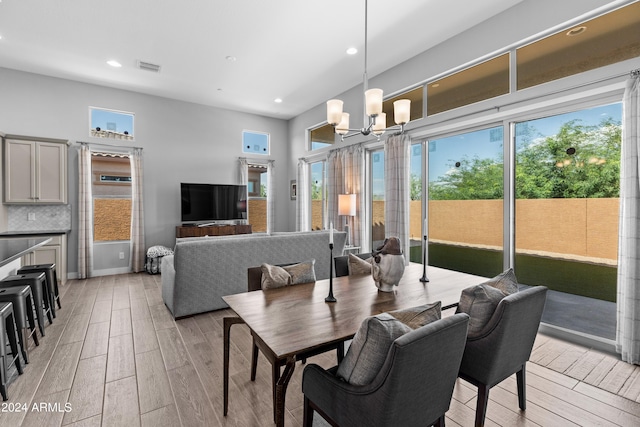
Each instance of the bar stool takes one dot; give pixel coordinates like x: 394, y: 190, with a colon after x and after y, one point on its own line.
x: 38, y: 285
x: 24, y: 311
x: 8, y: 329
x: 52, y: 279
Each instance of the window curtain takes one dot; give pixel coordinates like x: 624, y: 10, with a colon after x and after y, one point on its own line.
x: 85, y: 214
x: 396, y: 190
x: 271, y: 196
x: 345, y: 176
x: 303, y: 196
x: 244, y: 171
x: 137, y: 212
x: 628, y: 295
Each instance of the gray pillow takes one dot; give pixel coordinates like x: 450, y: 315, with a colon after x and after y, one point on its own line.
x: 358, y: 265
x: 303, y: 272
x: 421, y: 315
x: 480, y: 301
x: 274, y: 277
x: 369, y: 348
x: 505, y: 281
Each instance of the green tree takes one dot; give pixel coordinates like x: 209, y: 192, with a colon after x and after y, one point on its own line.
x: 580, y: 161
x: 416, y: 187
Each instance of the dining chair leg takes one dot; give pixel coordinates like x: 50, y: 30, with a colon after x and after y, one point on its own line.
x: 307, y: 417
x: 254, y: 360
x: 522, y: 396
x: 439, y: 422
x: 481, y: 407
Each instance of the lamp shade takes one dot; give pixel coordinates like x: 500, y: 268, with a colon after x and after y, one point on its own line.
x: 334, y: 111
x: 343, y: 127
x: 373, y: 101
x: 402, y: 111
x: 381, y: 124
x: 347, y: 204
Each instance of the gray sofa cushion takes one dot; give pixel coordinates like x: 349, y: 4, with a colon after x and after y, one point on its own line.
x: 369, y: 348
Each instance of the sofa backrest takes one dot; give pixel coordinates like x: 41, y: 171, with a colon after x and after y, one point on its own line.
x: 221, y: 263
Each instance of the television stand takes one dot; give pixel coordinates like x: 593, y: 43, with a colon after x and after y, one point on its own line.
x: 207, y: 224
x: 212, y: 230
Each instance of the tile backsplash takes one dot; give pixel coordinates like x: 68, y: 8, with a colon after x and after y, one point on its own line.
x: 45, y: 217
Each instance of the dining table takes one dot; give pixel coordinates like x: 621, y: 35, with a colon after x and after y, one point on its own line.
x: 292, y: 323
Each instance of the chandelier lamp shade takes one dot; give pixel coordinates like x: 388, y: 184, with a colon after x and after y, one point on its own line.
x: 375, y: 121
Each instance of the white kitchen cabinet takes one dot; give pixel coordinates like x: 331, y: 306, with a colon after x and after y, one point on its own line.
x: 35, y: 170
x: 53, y: 252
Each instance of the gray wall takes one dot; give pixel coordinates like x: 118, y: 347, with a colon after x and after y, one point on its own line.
x: 181, y: 141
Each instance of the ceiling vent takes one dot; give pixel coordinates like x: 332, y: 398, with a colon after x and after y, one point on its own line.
x: 148, y: 66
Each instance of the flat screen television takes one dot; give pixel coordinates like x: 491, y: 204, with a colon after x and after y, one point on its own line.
x: 213, y: 202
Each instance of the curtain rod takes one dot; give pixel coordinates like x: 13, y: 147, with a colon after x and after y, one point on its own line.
x: 108, y: 145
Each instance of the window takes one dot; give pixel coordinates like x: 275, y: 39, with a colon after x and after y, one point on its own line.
x: 318, y: 193
x: 483, y: 81
x: 416, y: 98
x: 110, y: 124
x: 322, y: 136
x: 111, y: 188
x: 604, y: 40
x: 377, y: 198
x: 567, y: 189
x: 255, y: 142
x: 465, y: 202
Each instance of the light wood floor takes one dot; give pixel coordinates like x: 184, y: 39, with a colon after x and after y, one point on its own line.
x: 117, y: 358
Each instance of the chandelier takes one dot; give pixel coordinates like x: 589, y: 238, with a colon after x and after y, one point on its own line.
x: 375, y: 120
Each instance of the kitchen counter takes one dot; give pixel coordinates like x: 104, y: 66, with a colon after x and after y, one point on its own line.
x: 33, y: 233
x: 14, y: 248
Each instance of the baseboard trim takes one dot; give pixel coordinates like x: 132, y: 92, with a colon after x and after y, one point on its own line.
x: 105, y: 272
x: 580, y: 338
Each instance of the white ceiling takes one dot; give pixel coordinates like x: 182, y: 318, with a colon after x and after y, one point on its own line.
x: 288, y: 49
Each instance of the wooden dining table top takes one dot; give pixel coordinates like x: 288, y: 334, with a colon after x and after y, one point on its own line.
x: 296, y: 319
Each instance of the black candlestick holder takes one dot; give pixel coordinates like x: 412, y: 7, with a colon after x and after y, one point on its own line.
x: 424, y: 277
x: 330, y: 297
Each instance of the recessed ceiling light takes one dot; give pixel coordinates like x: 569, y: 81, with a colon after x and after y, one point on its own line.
x: 277, y: 100
x: 230, y: 58
x: 114, y: 63
x: 435, y: 85
x: 577, y: 30
x: 352, y: 51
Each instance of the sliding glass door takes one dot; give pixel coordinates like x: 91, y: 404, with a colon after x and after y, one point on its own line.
x: 466, y: 201
x: 567, y: 189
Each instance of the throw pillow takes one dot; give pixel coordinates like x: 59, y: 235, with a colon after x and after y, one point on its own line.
x: 358, y: 265
x: 369, y: 348
x: 274, y: 277
x: 303, y: 272
x: 505, y: 281
x: 479, y: 302
x: 421, y: 315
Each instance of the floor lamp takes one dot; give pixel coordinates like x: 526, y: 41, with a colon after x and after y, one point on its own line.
x: 347, y: 207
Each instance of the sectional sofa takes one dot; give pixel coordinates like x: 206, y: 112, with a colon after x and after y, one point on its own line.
x: 204, y: 269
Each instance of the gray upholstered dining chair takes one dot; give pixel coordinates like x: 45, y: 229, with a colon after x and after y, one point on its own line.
x: 503, y: 347
x: 413, y: 388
